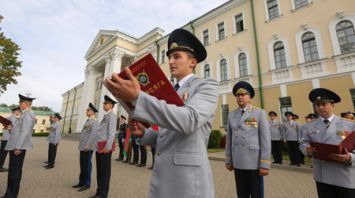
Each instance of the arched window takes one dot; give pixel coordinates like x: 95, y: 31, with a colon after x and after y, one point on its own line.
x: 223, y: 67
x: 346, y: 36
x: 243, y: 67
x: 310, y: 49
x: 206, y: 71
x: 279, y: 53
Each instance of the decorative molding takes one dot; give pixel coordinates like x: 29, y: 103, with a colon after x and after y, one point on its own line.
x: 340, y: 14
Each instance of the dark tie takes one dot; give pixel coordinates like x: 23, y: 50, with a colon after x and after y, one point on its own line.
x: 326, y: 122
x: 177, y: 86
x: 243, y: 111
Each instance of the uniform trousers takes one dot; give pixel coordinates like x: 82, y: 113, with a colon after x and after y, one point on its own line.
x: 276, y: 147
x: 103, y: 169
x: 15, y: 174
x: 331, y: 191
x: 85, y: 168
x: 3, y: 152
x: 52, y: 153
x: 293, y: 152
x: 249, y: 183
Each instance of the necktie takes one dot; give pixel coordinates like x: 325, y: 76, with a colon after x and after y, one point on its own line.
x: 177, y: 86
x: 243, y: 111
x: 326, y: 122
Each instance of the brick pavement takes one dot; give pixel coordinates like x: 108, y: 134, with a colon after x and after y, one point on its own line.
x: 128, y: 181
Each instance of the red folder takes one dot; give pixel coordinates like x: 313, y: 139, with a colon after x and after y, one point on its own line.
x: 152, y: 81
x: 4, y: 121
x: 323, y: 150
x: 101, y: 145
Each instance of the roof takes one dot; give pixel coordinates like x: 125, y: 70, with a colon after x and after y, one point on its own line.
x: 37, y: 112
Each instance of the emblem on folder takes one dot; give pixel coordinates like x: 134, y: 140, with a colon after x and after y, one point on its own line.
x: 143, y: 78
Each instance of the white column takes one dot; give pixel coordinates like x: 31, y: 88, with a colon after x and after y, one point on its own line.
x: 87, y: 95
x: 113, y: 64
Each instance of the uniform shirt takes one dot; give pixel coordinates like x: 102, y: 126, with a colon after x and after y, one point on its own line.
x: 6, y: 132
x: 88, y: 134
x: 54, y: 135
x: 248, y: 142
x: 332, y: 173
x: 21, y: 134
x: 275, y: 130
x: 107, y: 130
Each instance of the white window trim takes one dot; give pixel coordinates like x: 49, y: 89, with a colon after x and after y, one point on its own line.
x: 234, y: 23
x: 333, y: 32
x: 225, y: 31
x: 209, y: 37
x: 236, y: 71
x: 202, y: 70
x: 317, y: 35
x: 272, y: 56
x: 218, y: 68
x: 294, y: 6
x: 267, y: 10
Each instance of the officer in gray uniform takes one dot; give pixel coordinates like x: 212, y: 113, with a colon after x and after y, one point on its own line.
x: 20, y: 140
x: 87, y: 139
x: 276, y: 138
x: 6, y: 135
x: 333, y: 179
x: 292, y: 136
x: 106, y: 133
x: 248, y: 143
x: 181, y: 168
x: 53, y: 139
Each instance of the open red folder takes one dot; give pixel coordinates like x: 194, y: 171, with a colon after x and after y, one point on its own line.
x: 152, y: 81
x: 101, y: 145
x: 323, y: 150
x: 4, y: 121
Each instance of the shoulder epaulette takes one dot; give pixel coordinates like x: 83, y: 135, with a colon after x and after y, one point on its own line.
x: 347, y: 119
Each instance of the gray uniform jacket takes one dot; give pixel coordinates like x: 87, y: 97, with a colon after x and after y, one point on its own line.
x: 54, y: 136
x: 181, y: 166
x: 275, y: 130
x: 248, y: 142
x: 88, y: 134
x: 107, y: 130
x: 5, y: 132
x: 330, y: 172
x: 21, y: 134
x: 291, y: 131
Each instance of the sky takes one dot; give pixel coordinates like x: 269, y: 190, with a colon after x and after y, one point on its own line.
x: 55, y: 35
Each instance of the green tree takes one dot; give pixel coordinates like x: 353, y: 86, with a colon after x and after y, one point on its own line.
x: 9, y: 63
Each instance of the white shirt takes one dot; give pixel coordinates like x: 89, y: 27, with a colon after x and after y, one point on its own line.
x: 184, y: 79
x: 330, y: 118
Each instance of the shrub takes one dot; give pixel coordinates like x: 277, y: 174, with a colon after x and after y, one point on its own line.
x: 223, y: 141
x: 42, y: 134
x: 215, y: 139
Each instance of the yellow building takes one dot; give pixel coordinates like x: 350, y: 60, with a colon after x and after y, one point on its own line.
x: 283, y: 48
x: 42, y: 119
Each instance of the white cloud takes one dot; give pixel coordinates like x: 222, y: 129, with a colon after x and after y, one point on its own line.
x: 55, y: 35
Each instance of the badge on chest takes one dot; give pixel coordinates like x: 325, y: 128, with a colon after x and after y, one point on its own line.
x: 251, y: 122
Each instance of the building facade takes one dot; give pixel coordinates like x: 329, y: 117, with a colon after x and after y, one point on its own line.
x: 283, y: 48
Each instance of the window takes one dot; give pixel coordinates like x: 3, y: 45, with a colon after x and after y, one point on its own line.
x: 223, y: 67
x: 43, y: 121
x: 352, y: 93
x: 280, y: 56
x: 206, y: 37
x: 243, y: 68
x: 36, y: 121
x: 225, y: 111
x: 162, y: 56
x: 346, y: 36
x: 309, y: 44
x: 285, y: 105
x: 272, y: 8
x: 300, y: 3
x: 239, y: 24
x: 206, y: 71
x: 221, y: 32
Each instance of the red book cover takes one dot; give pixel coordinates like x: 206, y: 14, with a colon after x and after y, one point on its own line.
x: 152, y: 81
x: 101, y: 145
x: 4, y: 121
x: 323, y: 150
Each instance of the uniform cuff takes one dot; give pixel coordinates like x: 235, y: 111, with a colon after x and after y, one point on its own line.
x: 265, y: 164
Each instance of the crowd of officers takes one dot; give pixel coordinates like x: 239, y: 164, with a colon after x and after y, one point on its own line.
x: 182, y: 168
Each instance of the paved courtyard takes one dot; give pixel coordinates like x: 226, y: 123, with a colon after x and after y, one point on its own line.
x: 129, y: 181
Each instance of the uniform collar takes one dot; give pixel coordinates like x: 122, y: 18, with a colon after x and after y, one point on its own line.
x: 109, y: 111
x: 330, y: 118
x: 184, y: 79
x: 26, y: 110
